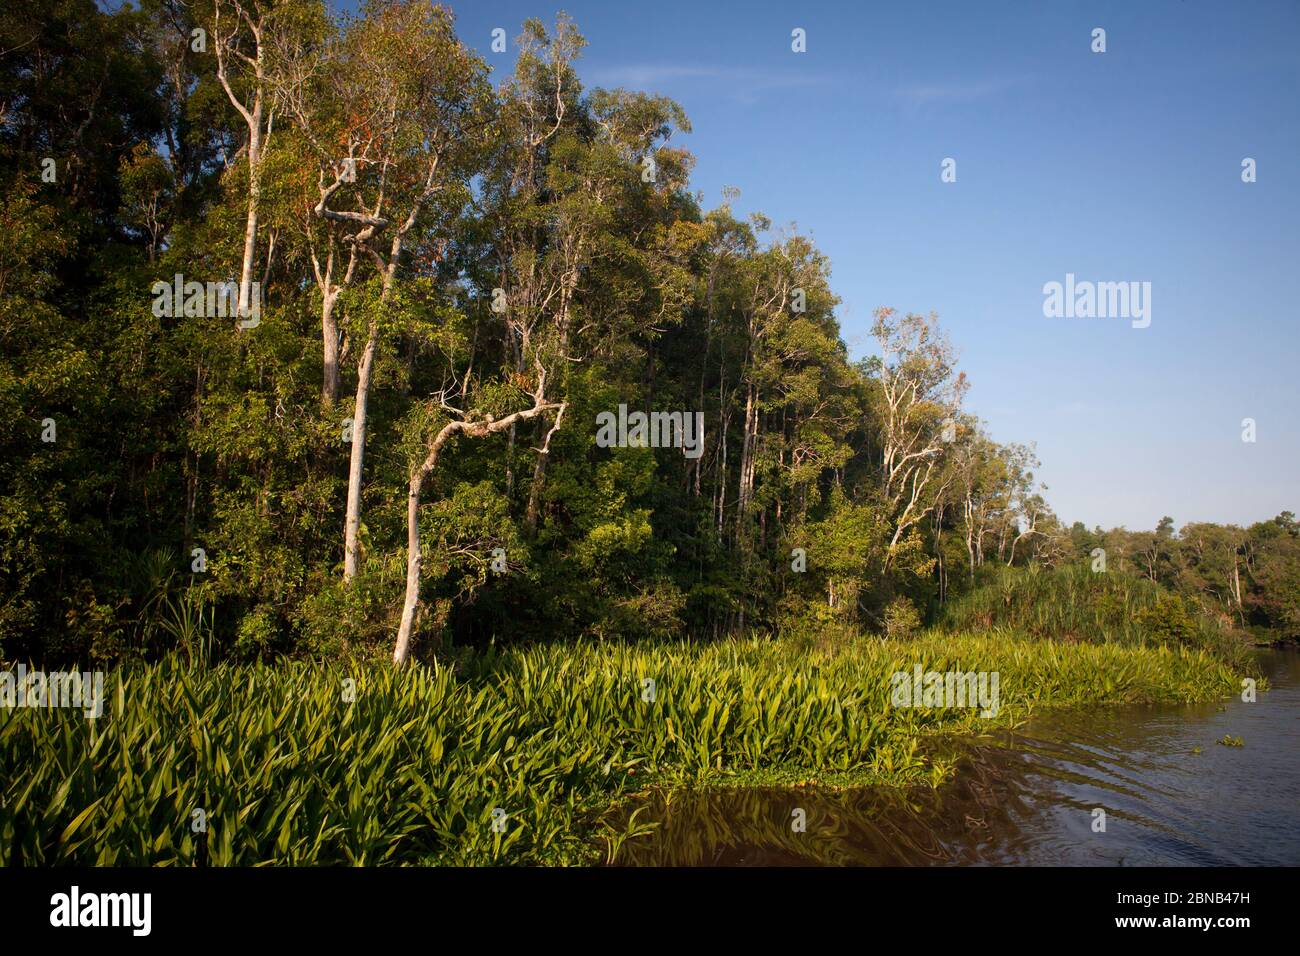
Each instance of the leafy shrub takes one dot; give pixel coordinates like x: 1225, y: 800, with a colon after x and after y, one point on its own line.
x: 340, y: 620
x: 1169, y: 620
x: 902, y: 619
x: 257, y: 635
x: 1074, y: 603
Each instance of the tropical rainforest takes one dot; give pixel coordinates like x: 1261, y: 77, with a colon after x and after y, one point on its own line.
x: 307, y: 323
x: 444, y: 278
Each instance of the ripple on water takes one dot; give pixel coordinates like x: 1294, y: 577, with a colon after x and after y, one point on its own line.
x: 1029, y: 798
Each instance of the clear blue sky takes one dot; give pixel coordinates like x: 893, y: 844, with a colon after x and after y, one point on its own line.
x: 1115, y: 167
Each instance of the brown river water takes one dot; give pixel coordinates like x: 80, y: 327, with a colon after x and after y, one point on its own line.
x: 1029, y: 796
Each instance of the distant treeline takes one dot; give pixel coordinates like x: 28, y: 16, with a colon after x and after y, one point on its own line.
x: 1248, y: 576
x: 408, y: 291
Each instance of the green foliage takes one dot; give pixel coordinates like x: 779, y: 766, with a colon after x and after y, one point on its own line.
x: 184, y: 432
x: 353, y: 621
x: 902, y: 620
x: 1169, y: 620
x: 1076, y: 604
x: 291, y: 767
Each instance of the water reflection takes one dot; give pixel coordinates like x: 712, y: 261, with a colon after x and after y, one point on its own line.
x: 1029, y: 798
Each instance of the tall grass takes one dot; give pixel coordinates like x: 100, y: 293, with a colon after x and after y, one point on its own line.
x: 1073, y: 603
x: 287, y: 771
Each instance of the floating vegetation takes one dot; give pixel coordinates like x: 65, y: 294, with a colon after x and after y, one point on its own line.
x: 512, y: 756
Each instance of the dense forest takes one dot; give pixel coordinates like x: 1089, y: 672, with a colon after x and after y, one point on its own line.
x: 307, y: 322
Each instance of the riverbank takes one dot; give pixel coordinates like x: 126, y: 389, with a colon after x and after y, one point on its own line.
x: 514, y: 756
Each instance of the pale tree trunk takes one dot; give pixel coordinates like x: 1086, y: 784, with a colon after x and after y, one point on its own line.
x: 1028, y: 532
x: 912, y: 513
x: 414, y: 550
x: 1236, y: 589
x: 331, y: 343
x: 939, y: 509
x: 254, y: 117
x: 330, y: 355
x: 970, y: 534
x: 543, y: 454
x: 747, y: 452
x: 254, y: 200
x: 352, y: 520
x: 352, y: 523
x: 723, y: 422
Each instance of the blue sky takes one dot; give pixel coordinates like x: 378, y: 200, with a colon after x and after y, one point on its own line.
x: 1120, y: 166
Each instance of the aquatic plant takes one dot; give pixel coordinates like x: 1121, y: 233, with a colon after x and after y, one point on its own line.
x: 509, y: 756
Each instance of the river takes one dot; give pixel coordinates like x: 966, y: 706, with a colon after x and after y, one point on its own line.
x: 1171, y: 794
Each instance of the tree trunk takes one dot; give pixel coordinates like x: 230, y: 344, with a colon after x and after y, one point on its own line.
x: 938, y: 547
x: 747, y: 451
x: 1236, y: 589
x: 352, y: 526
x: 254, y: 198
x: 254, y: 116
x: 414, y: 562
x: 330, y: 336
x: 414, y: 550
